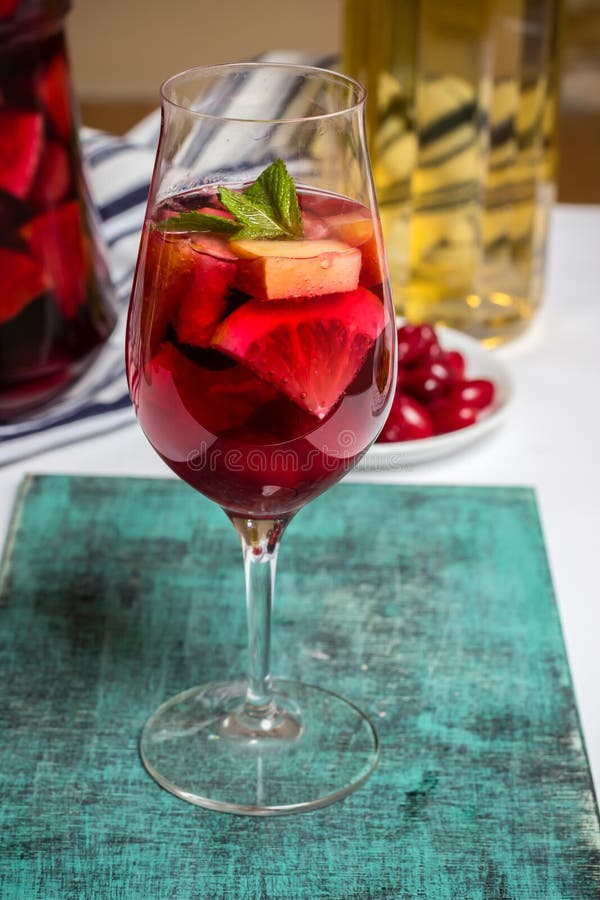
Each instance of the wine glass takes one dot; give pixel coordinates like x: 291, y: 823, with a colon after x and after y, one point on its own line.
x: 261, y: 360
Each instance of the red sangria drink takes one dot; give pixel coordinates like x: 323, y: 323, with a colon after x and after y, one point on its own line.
x: 260, y: 368
x: 56, y: 304
x: 261, y: 358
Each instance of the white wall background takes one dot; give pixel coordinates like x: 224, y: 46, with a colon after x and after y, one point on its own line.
x: 124, y: 49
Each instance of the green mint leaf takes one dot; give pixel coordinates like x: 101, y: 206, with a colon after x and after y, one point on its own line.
x: 196, y: 221
x: 274, y: 190
x: 268, y: 208
x: 256, y: 220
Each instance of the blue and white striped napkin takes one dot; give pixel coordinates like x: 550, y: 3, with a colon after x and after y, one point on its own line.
x: 119, y: 171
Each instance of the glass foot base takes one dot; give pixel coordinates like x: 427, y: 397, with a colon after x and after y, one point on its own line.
x: 317, y: 748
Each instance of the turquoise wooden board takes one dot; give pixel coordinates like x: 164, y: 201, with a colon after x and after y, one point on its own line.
x: 431, y: 607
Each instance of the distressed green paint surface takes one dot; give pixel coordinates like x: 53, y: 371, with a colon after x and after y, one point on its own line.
x: 432, y: 608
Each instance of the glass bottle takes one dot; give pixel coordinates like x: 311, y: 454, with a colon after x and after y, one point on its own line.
x: 462, y: 132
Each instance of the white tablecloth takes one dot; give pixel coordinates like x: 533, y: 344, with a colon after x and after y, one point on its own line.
x: 550, y: 440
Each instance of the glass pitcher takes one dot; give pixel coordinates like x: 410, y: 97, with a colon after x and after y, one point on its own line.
x: 56, y: 300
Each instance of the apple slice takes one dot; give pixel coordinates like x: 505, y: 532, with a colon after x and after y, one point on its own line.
x: 358, y: 229
x: 352, y: 228
x: 281, y: 270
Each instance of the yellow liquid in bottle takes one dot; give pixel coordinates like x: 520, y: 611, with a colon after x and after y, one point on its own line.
x: 461, y: 117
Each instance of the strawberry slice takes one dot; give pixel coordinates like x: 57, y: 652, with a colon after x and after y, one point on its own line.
x: 205, y: 301
x: 21, y: 139
x: 53, y: 177
x: 56, y: 241
x: 55, y: 94
x: 309, y: 351
x: 217, y: 400
x: 22, y: 281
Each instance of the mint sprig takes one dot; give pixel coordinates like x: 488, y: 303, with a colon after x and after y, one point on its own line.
x: 274, y: 190
x: 255, y: 220
x: 267, y: 209
x: 197, y: 221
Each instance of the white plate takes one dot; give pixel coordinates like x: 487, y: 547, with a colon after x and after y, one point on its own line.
x: 480, y: 363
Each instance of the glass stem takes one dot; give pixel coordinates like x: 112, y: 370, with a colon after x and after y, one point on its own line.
x: 260, y: 546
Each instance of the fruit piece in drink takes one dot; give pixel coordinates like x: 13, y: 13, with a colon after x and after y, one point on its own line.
x: 276, y: 270
x: 309, y: 350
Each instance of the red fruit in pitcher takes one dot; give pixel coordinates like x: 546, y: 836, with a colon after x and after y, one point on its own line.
x: 407, y: 421
x: 7, y: 8
x: 56, y: 241
x: 54, y: 93
x: 21, y: 141
x: 12, y: 212
x: 309, y: 350
x: 53, y: 177
x: 22, y: 281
